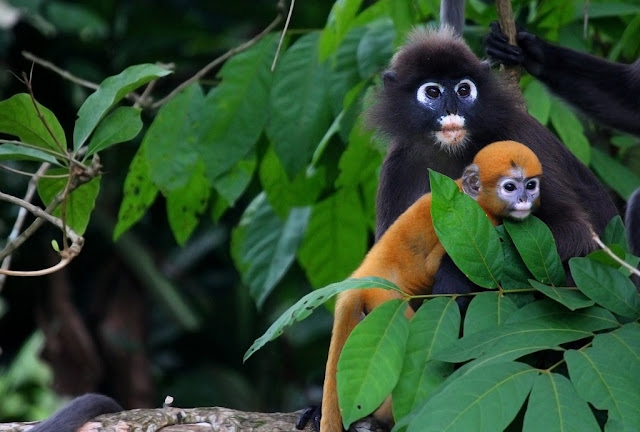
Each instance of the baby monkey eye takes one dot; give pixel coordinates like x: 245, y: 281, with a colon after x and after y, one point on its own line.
x: 531, y: 185
x: 509, y: 187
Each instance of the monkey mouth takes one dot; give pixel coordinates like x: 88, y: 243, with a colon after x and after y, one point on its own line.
x: 452, y: 133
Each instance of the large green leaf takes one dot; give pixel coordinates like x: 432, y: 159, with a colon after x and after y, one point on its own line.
x: 19, y: 152
x: 465, y: 232
x: 139, y: 193
x: 344, y: 69
x: 554, y: 405
x: 488, y: 310
x: 370, y: 362
x: 593, y: 318
x: 360, y: 161
x: 307, y: 304
x: 77, y: 207
x: 299, y: 105
x: 570, y: 131
x: 172, y: 139
x: 615, y: 233
x: 270, y: 247
x: 285, y: 193
x: 186, y: 204
x: 606, y: 286
x: 536, y: 245
x: 375, y: 47
x: 538, y: 101
x: 569, y: 297
x: 233, y: 183
x: 110, y: 92
x: 235, y: 112
x: 338, y: 23
x: 486, y: 399
x: 516, y: 275
x: 435, y: 325
x: 19, y: 117
x: 123, y: 124
x: 607, y: 375
x: 336, y: 239
x: 619, y: 177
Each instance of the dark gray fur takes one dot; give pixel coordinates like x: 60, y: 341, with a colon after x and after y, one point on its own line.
x: 77, y: 412
x: 452, y: 14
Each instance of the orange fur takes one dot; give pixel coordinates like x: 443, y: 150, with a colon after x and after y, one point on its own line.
x: 409, y: 254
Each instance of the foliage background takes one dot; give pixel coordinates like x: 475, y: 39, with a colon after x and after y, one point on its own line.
x: 302, y: 189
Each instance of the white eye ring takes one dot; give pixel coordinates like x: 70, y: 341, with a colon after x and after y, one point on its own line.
x: 473, y: 91
x: 422, y: 95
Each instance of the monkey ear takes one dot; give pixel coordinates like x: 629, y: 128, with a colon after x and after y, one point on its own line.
x: 471, y: 181
x: 389, y: 77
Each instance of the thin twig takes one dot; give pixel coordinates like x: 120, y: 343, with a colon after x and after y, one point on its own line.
x: 202, y: 72
x: 284, y: 32
x: 615, y: 257
x: 40, y: 115
x: 63, y: 73
x: 22, y: 214
x: 29, y: 174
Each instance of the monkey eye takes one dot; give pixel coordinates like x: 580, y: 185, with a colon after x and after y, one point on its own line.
x: 509, y: 186
x: 432, y: 91
x: 466, y: 89
x: 427, y: 91
x: 531, y: 185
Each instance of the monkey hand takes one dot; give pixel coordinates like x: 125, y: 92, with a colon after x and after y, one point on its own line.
x: 313, y: 414
x: 529, y: 52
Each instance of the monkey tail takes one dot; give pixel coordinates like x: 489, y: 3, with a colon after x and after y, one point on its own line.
x: 348, y: 313
x: 452, y: 15
x: 78, y: 412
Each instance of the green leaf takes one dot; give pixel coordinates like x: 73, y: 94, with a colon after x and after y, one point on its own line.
x: 171, y: 141
x: 606, y: 286
x: 435, y: 325
x: 465, y: 232
x: 568, y: 297
x: 376, y: 47
x: 232, y: 184
x: 615, y: 233
x: 488, y: 310
x: 123, y: 124
x: 338, y: 23
x: 336, y: 239
x: 284, y: 194
x: 344, y: 69
x: 360, y: 161
x: 299, y: 105
x: 536, y: 245
x: 538, y: 101
x: 570, y: 131
x: 607, y: 375
x: 110, y: 92
x: 619, y: 177
x: 19, y: 152
x: 18, y: 117
x: 77, y: 207
x: 307, y: 304
x: 186, y: 205
x: 554, y: 405
x: 234, y: 112
x: 270, y: 247
x: 485, y: 399
x: 542, y: 324
x: 370, y: 362
x: 515, y: 275
x: 593, y: 318
x: 139, y: 193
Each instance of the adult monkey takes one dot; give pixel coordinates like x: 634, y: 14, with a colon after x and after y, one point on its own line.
x: 609, y: 92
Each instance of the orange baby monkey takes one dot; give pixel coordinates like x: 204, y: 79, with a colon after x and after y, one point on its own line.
x: 505, y: 181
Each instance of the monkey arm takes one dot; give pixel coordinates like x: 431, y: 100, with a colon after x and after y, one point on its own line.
x: 78, y: 412
x: 607, y: 91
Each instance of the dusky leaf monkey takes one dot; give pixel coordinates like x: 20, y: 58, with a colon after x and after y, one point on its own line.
x: 505, y: 181
x: 609, y: 92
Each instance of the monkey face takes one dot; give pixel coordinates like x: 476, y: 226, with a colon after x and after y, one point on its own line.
x: 447, y: 102
x: 519, y: 195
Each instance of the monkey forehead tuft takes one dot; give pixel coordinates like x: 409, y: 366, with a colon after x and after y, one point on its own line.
x: 431, y: 52
x: 499, y: 157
